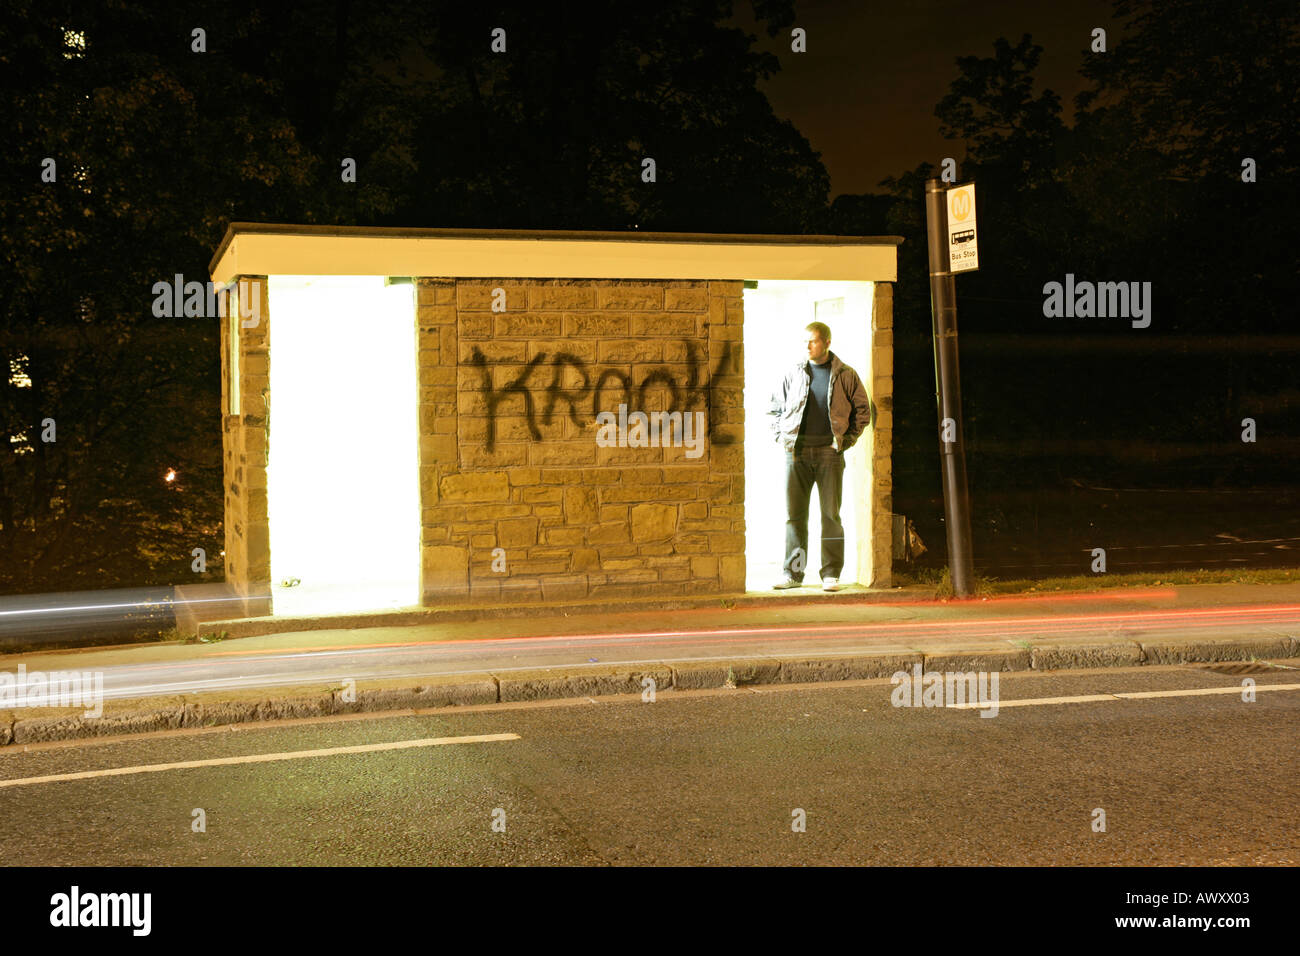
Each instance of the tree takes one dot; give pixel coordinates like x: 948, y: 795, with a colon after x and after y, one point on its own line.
x: 553, y: 132
x: 1195, y: 87
x: 158, y: 147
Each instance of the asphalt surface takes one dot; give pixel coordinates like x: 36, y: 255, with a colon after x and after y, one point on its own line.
x: 709, y: 777
x: 326, y: 657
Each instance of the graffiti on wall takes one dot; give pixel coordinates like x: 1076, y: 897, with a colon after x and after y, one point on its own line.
x: 608, y: 384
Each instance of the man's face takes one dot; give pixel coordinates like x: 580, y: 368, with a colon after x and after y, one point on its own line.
x: 818, y: 348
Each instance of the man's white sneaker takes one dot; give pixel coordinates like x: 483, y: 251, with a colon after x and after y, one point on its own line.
x: 830, y: 584
x: 787, y: 583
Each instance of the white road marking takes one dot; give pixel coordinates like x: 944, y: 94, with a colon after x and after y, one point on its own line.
x: 1122, y: 695
x: 1203, y: 690
x: 259, y: 758
x: 1035, y: 701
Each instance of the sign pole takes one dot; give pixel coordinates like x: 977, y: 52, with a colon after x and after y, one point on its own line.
x: 952, y: 454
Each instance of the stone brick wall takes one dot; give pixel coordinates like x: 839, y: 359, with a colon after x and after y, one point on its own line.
x: 244, y: 447
x: 881, y: 389
x: 512, y: 374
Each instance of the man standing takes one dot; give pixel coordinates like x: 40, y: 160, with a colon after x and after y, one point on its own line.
x: 819, y: 413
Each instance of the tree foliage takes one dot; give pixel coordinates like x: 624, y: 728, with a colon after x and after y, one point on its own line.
x: 158, y: 147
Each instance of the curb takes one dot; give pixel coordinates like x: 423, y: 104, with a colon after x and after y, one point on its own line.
x: 152, y: 714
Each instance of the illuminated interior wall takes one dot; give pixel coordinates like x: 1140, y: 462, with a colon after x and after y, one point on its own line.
x: 342, y: 473
x: 775, y: 316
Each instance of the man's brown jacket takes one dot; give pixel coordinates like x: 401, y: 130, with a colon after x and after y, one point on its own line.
x: 850, y: 405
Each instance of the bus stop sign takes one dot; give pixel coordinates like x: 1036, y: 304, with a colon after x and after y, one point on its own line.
x: 963, y: 250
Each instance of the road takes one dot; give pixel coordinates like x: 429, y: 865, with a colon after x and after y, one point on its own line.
x: 707, y: 777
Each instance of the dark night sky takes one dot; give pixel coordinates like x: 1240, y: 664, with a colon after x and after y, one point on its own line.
x: 886, y: 66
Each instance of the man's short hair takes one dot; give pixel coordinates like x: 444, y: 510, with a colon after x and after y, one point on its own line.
x: 822, y: 329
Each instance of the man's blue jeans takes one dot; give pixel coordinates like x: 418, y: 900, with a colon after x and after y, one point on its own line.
x: 804, y: 467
